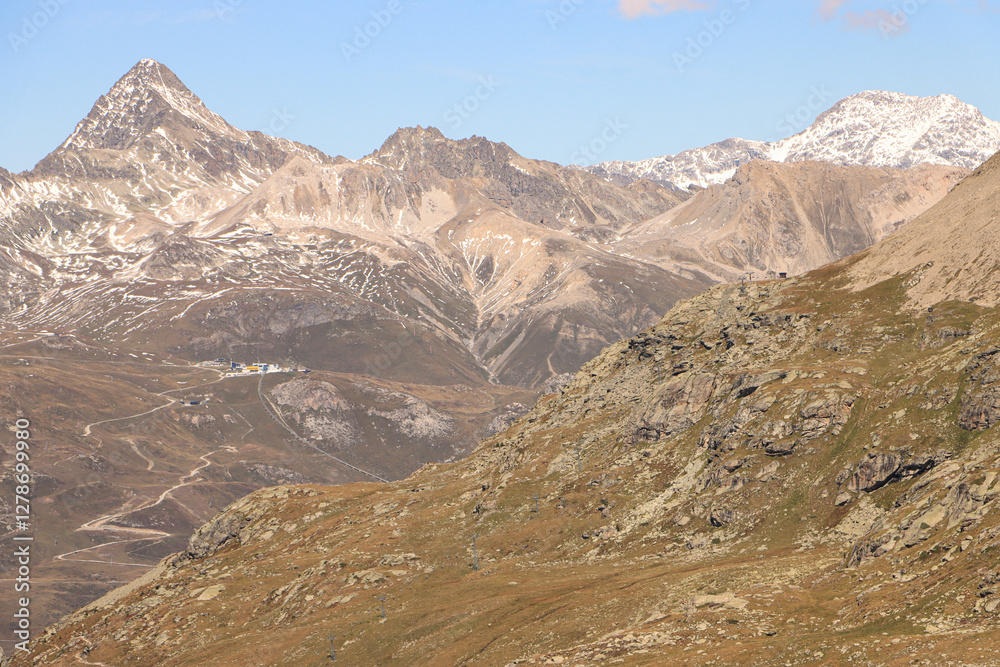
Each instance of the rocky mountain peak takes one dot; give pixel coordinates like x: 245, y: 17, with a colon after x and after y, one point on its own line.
x: 873, y: 128
x: 149, y: 96
x: 418, y: 145
x: 886, y: 129
x: 414, y: 136
x: 889, y: 101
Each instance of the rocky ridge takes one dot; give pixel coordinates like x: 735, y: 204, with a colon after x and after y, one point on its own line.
x: 496, y: 254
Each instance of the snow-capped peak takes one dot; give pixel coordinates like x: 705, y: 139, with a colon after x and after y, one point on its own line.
x: 872, y: 128
x: 885, y: 129
x: 137, y: 104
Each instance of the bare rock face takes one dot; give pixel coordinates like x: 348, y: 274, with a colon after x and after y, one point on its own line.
x: 543, y: 192
x: 556, y: 383
x: 240, y: 522
x: 874, y: 471
x: 721, y: 516
x: 781, y: 448
x: 827, y: 413
x: 310, y: 395
x: 227, y: 526
x: 842, y: 499
x: 773, y: 217
x: 676, y: 405
x: 981, y: 402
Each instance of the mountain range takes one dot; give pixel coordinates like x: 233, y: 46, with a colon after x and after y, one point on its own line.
x: 434, y: 288
x: 799, y: 471
x: 872, y: 129
x: 524, y: 269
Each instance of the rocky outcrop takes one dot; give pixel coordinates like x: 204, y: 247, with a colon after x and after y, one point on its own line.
x: 321, y: 410
x: 415, y: 418
x: 826, y: 413
x: 721, y: 517
x: 247, y: 519
x: 874, y: 471
x: 232, y: 524
x: 676, y: 406
x: 980, y: 407
x: 310, y: 395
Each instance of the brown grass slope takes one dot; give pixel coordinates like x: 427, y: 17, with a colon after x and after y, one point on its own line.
x: 954, y: 248
x: 125, y: 467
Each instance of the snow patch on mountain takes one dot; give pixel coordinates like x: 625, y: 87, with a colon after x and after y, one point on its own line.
x: 872, y: 128
x: 147, y: 91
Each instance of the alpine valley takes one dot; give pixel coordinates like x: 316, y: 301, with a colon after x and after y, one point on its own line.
x: 777, y: 471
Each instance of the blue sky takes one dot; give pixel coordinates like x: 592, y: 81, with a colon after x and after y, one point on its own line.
x: 545, y: 76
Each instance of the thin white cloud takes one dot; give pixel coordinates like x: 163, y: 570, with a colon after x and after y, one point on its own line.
x: 632, y: 9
